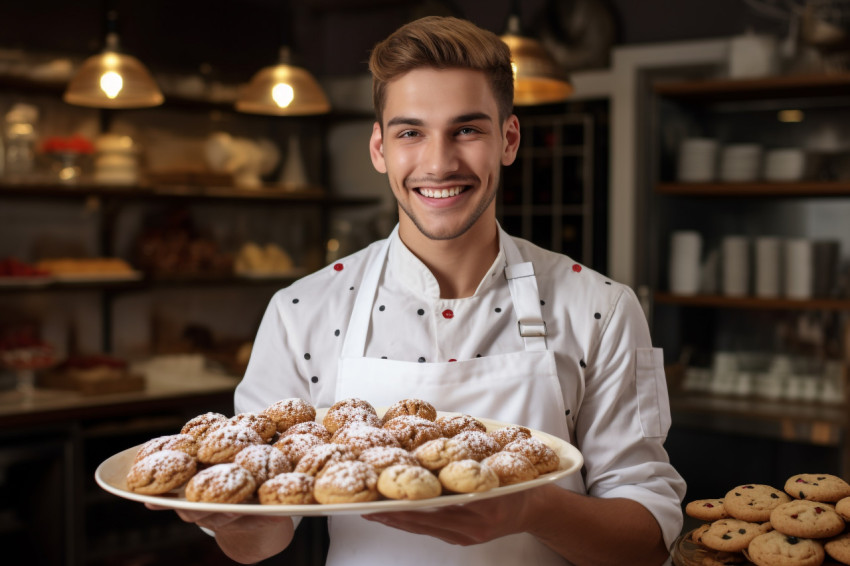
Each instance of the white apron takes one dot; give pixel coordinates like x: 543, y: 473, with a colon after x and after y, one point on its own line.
x: 520, y: 387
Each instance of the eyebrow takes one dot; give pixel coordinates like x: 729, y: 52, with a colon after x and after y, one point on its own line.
x: 471, y: 117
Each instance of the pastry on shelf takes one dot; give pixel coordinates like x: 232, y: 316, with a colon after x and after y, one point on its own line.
x: 93, y: 374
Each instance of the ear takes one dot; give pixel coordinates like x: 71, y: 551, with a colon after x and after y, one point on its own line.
x: 376, y: 148
x: 510, y: 140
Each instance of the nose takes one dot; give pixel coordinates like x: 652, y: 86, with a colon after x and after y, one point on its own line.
x: 440, y: 156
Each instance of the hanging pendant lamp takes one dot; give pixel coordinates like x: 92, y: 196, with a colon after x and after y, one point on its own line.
x: 113, y: 80
x: 283, y: 90
x: 538, y: 79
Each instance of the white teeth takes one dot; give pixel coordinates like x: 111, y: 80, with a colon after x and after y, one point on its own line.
x: 441, y: 193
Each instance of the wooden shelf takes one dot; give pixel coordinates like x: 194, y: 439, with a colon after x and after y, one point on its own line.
x: 804, y: 189
x: 786, y: 86
x: 306, y: 195
x: 813, y: 423
x: 719, y: 301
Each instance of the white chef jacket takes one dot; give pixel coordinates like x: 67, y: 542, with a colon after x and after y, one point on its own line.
x: 612, y: 380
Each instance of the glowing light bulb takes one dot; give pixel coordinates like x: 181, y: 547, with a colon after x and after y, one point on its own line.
x: 283, y: 94
x: 111, y: 83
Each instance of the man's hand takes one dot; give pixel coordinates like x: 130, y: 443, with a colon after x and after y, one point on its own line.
x: 578, y: 527
x: 464, y: 525
x: 244, y: 538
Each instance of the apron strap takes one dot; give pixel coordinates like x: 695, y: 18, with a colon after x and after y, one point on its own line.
x: 523, y: 287
x: 354, y: 345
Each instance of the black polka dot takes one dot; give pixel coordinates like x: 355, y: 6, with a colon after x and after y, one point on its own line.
x: 597, y: 316
x: 294, y: 301
x: 420, y: 312
x: 307, y: 356
x: 351, y: 288
x: 382, y: 308
x: 315, y: 379
x: 582, y: 364
x: 421, y: 360
x: 542, y: 302
x: 383, y: 357
x: 336, y: 332
x: 567, y: 412
x: 477, y: 355
x: 607, y: 282
x: 498, y: 309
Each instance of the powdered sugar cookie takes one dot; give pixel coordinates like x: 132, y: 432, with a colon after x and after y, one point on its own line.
x: 468, y: 476
x: 544, y: 458
x: 181, y: 442
x: 160, y: 472
x: 382, y: 457
x: 408, y: 482
x: 346, y: 482
x: 290, y: 488
x: 412, y: 431
x: 202, y: 425
x: 320, y: 456
x: 480, y: 444
x: 223, y: 444
x: 511, y: 467
x: 221, y: 483
x: 415, y: 407
x: 435, y: 454
x: 263, y: 461
x: 288, y: 412
x: 451, y: 425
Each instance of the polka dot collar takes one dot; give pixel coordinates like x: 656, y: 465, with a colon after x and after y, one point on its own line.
x: 416, y: 276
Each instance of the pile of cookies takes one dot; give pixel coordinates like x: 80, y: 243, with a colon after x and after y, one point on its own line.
x: 796, y: 526
x: 282, y: 455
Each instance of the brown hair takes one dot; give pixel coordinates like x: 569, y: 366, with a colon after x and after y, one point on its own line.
x: 442, y: 43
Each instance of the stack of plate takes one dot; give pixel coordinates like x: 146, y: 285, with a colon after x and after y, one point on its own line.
x: 740, y: 163
x: 697, y: 160
x: 117, y: 160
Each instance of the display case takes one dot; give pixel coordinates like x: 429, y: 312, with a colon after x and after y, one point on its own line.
x: 756, y: 370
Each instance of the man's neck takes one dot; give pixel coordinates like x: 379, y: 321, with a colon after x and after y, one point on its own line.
x: 459, y: 264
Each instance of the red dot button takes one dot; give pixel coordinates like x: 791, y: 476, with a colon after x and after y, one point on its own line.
x: 338, y: 267
x: 576, y: 268
x: 448, y: 314
x: 452, y: 360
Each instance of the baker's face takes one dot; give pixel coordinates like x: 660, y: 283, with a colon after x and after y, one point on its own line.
x: 442, y: 148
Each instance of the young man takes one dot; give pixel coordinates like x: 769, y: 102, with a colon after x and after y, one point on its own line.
x: 452, y: 310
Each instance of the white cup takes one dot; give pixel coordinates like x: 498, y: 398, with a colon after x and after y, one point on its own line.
x: 740, y: 163
x: 752, y: 55
x: 736, y: 266
x: 798, y: 269
x: 768, y: 270
x: 784, y: 165
x: 697, y: 160
x: 685, y: 254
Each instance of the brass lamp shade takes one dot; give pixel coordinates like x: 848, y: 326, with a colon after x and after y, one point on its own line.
x: 537, y: 78
x: 113, y: 80
x: 283, y: 90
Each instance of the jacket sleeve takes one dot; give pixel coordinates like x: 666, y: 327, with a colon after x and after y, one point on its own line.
x: 625, y: 416
x: 272, y: 372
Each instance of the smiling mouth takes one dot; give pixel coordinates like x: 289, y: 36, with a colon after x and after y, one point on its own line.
x: 442, y: 193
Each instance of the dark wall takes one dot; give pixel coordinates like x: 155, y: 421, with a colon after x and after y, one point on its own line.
x: 331, y: 37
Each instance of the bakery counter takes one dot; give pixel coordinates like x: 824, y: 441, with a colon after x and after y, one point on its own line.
x: 51, y: 510
x: 162, y: 391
